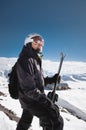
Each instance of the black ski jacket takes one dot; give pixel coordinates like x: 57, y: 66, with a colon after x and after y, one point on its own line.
x: 29, y: 74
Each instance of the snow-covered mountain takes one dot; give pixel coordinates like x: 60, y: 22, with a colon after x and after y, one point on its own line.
x: 71, y: 71
x: 72, y: 101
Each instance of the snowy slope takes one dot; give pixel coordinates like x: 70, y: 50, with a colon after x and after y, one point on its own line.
x: 72, y: 102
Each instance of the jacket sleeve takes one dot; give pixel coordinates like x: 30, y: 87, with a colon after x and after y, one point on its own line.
x: 53, y: 79
x: 48, y: 80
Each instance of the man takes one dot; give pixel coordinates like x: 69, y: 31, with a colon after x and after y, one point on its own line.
x: 31, y: 87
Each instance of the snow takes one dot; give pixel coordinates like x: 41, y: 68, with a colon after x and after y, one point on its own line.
x: 6, y: 123
x: 72, y: 102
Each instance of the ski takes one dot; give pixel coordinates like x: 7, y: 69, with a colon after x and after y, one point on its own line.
x: 59, y: 70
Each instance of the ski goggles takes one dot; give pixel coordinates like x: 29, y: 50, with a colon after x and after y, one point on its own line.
x: 38, y: 40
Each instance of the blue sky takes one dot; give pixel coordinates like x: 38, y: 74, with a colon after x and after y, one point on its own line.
x: 62, y: 23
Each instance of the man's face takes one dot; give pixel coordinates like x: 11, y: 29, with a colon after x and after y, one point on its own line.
x: 37, y: 46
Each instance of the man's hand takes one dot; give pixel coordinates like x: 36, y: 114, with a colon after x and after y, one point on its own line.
x: 50, y: 96
x: 56, y: 78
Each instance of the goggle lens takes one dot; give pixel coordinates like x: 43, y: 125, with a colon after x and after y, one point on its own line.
x: 39, y: 40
